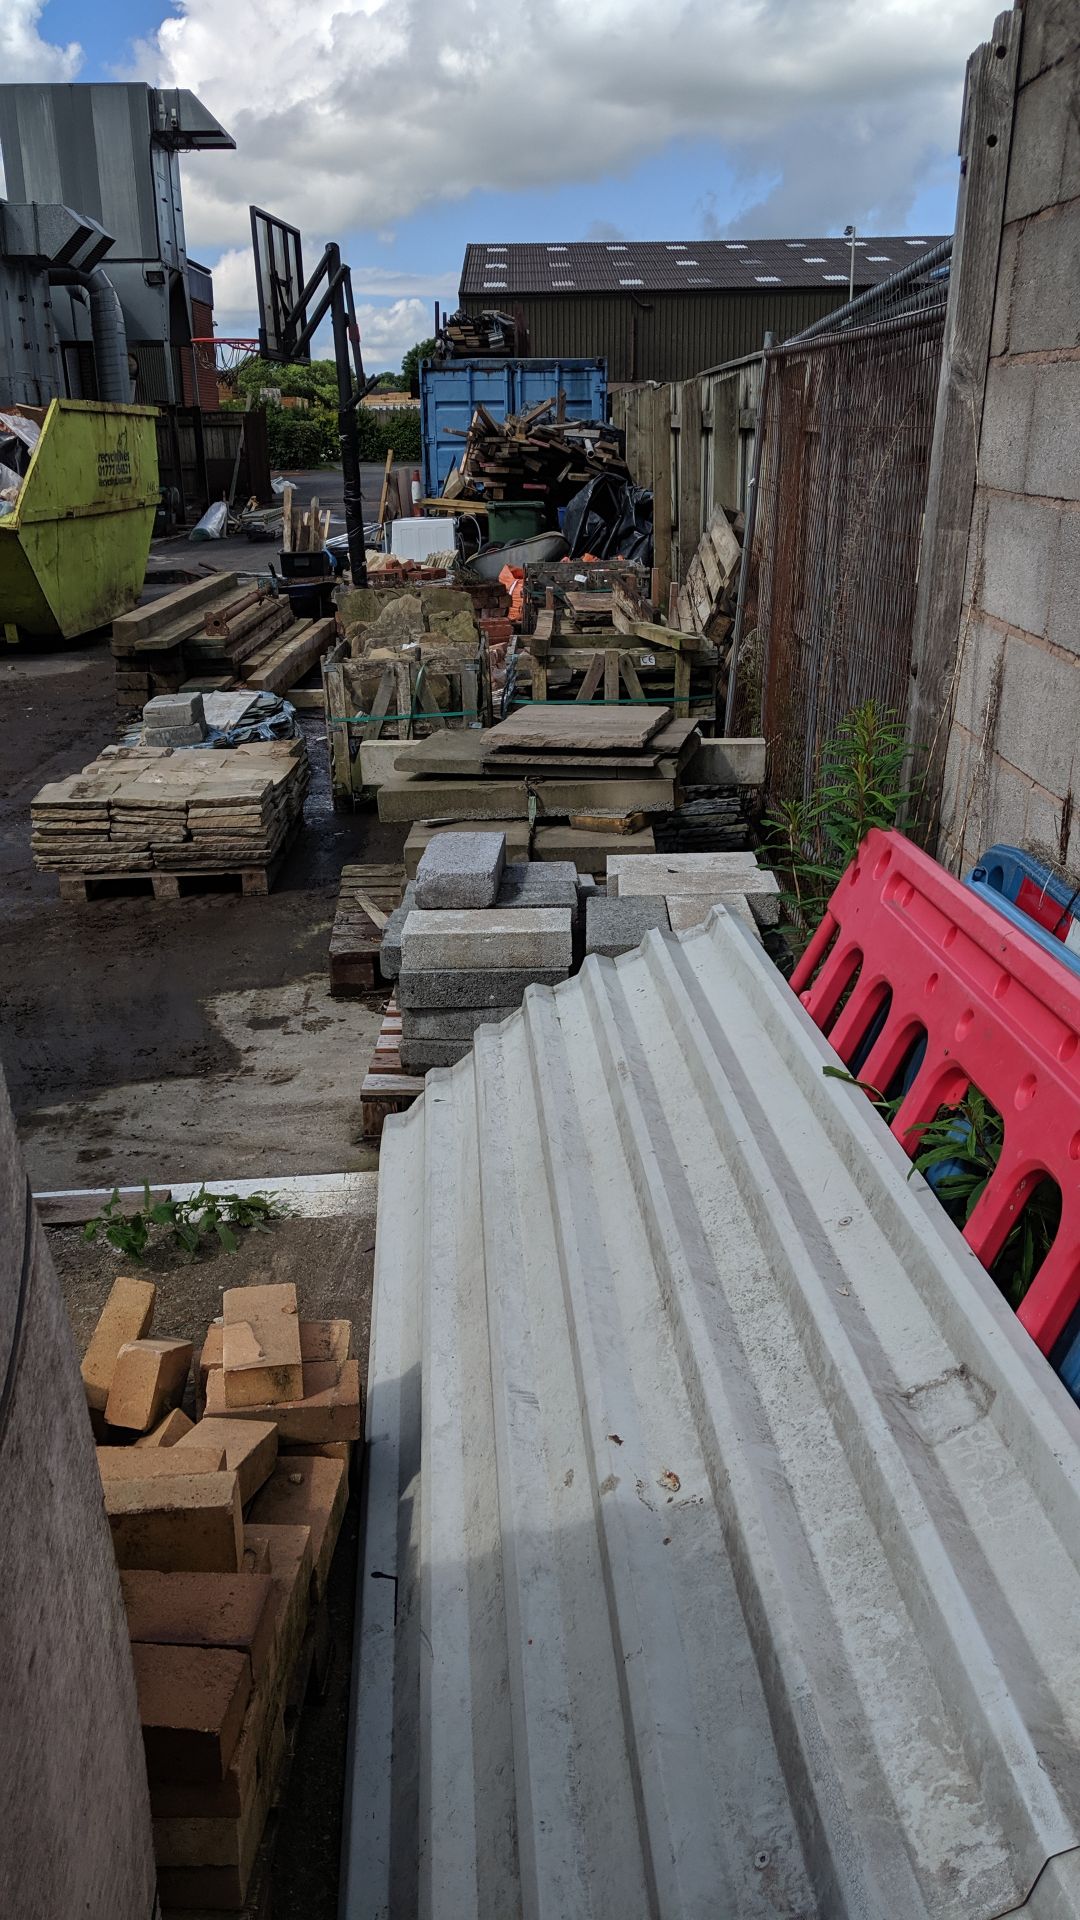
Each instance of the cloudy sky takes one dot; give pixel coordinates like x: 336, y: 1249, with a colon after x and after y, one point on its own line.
x: 404, y: 128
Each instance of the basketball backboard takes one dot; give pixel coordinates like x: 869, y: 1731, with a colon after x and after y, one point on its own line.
x: 279, y: 279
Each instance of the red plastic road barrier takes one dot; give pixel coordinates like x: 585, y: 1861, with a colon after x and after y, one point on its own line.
x: 996, y: 1010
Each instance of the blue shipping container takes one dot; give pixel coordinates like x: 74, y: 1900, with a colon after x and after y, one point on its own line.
x: 449, y: 395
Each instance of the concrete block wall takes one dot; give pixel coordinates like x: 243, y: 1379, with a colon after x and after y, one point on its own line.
x: 1013, y: 765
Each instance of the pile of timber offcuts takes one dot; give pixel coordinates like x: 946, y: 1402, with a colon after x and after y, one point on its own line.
x: 213, y: 635
x: 484, y: 336
x: 539, y: 453
x: 606, y: 772
x: 303, y: 530
x: 140, y: 810
x: 592, y: 627
x: 224, y: 1528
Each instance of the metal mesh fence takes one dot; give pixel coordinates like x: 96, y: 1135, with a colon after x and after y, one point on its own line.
x: 848, y: 423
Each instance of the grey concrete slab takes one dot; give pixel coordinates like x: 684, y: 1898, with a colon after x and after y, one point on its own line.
x: 618, y: 926
x: 449, y: 1023
x: 492, y: 937
x: 460, y: 870
x: 473, y: 987
x: 539, y: 883
x: 726, y: 763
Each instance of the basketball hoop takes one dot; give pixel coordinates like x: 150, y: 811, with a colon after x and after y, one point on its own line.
x: 225, y: 355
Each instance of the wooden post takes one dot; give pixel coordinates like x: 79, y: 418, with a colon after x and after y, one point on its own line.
x: 985, y: 143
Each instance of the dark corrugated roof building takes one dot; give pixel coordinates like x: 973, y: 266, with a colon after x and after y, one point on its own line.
x: 666, y: 309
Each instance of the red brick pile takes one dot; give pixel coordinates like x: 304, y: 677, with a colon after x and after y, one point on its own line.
x: 224, y: 1529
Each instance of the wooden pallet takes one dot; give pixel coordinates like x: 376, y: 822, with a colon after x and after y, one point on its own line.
x: 386, y: 1088
x: 356, y: 938
x: 76, y: 889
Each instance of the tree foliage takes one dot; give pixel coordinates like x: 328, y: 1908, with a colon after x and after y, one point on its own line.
x: 410, y: 365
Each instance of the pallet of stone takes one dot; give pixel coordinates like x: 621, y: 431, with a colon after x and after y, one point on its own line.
x: 182, y: 883
x: 149, y: 811
x: 386, y: 1088
x: 357, y: 933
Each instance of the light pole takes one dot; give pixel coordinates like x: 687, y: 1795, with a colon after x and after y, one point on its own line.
x: 849, y: 234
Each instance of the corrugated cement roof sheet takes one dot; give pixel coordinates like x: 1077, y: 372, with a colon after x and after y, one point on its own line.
x: 728, y: 1519
x: 591, y: 266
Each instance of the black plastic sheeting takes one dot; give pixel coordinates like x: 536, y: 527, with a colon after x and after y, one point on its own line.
x: 612, y: 519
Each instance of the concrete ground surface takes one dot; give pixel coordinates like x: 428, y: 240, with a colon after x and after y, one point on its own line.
x: 170, y: 1040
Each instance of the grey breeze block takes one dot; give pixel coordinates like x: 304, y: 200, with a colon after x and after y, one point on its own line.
x: 448, y: 1023
x: 487, y: 987
x: 539, y: 883
x: 618, y: 926
x: 493, y: 937
x: 460, y: 870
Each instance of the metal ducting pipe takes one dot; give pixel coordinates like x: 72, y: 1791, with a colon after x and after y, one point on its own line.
x: 108, y: 329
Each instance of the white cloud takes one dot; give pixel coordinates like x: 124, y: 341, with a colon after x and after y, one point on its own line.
x: 24, y: 55
x: 355, y: 113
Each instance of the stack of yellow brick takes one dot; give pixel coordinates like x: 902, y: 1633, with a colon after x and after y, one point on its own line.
x: 224, y: 1529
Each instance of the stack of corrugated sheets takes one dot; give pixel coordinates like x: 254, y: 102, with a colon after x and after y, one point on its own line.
x: 139, y: 808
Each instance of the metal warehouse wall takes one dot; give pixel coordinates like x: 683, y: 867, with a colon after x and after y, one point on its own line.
x: 662, y: 336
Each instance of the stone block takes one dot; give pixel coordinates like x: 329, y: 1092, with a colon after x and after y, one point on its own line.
x: 618, y: 926
x: 473, y: 987
x: 661, y: 873
x: 149, y: 1377
x: 423, y: 832
x: 172, y: 1428
x: 449, y: 1023
x: 310, y: 1491
x: 261, y: 1346
x: 159, y: 1463
x: 328, y: 1408
x: 175, y: 710
x: 185, y: 1522
x: 235, y: 1610
x: 377, y: 760
x: 518, y: 937
x: 539, y: 883
x: 249, y: 1448
x: 126, y: 1316
x: 1017, y: 560
x: 192, y: 1702
x: 461, y: 870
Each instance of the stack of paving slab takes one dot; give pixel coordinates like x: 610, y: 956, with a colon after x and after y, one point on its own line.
x: 470, y: 935
x: 174, y: 720
x: 676, y: 891
x: 134, y: 809
x: 223, y: 1528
